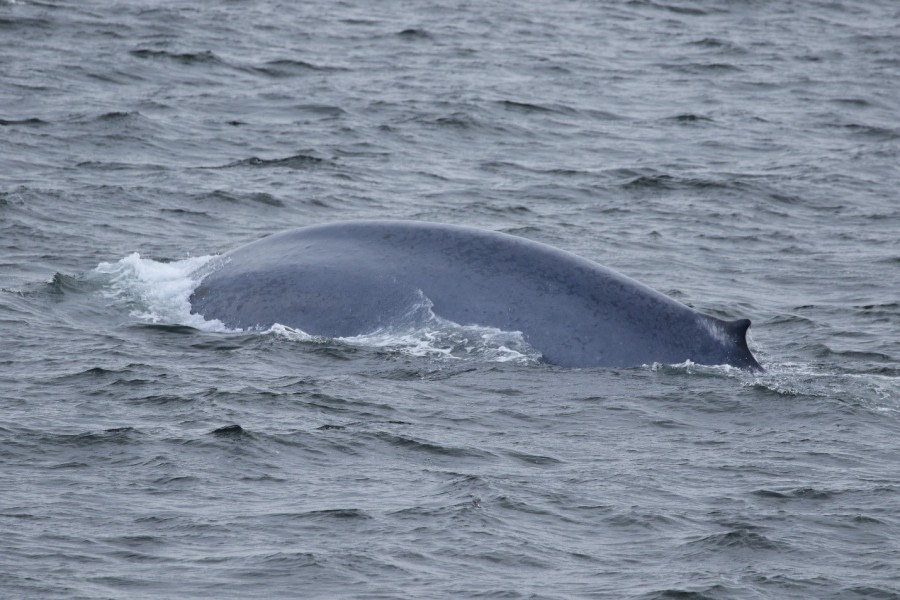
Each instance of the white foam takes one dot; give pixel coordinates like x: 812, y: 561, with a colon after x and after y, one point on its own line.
x: 689, y: 367
x: 154, y: 291
x: 440, y: 338
x: 422, y: 333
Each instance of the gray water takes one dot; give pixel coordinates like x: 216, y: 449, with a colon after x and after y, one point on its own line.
x: 741, y: 157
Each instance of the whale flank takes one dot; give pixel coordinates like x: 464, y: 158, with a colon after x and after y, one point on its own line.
x: 354, y: 278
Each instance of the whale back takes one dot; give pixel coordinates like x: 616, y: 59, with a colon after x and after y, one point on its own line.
x: 352, y: 278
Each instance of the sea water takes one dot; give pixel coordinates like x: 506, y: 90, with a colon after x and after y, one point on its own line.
x: 740, y: 157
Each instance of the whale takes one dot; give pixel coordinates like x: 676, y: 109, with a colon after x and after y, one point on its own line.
x: 352, y: 278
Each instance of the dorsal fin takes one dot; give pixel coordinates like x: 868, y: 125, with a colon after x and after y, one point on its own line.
x: 737, y: 329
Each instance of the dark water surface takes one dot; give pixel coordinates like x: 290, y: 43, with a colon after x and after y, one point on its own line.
x: 741, y: 157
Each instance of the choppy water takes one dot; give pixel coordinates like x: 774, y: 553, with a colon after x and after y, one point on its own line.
x: 741, y: 157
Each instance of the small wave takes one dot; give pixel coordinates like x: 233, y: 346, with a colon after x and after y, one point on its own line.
x: 414, y: 34
x: 853, y: 102
x: 871, y: 132
x: 690, y: 118
x: 115, y: 436
x: 824, y: 351
x: 119, y: 115
x: 533, y: 459
x: 707, y: 593
x: 326, y: 110
x: 636, y: 519
x: 528, y: 107
x: 284, y: 67
x: 117, y: 166
x: 326, y: 514
x: 868, y: 386
x: 23, y: 22
x: 231, y: 431
x: 719, y: 45
x: 653, y: 180
x: 257, y: 197
x: 127, y: 375
x: 867, y: 591
x: 32, y: 122
x: 297, y: 161
x: 186, y: 58
x: 739, y: 539
x: 681, y: 10
x: 456, y: 120
x: 427, y: 447
x: 886, y: 308
x: 804, y: 493
x: 701, y: 68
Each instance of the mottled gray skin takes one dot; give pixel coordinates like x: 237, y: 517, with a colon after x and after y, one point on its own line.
x: 351, y: 278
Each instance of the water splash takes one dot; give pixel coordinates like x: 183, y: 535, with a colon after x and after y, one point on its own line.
x: 422, y: 333
x: 156, y: 291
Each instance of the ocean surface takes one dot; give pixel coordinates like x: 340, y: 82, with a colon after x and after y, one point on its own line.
x: 741, y: 157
